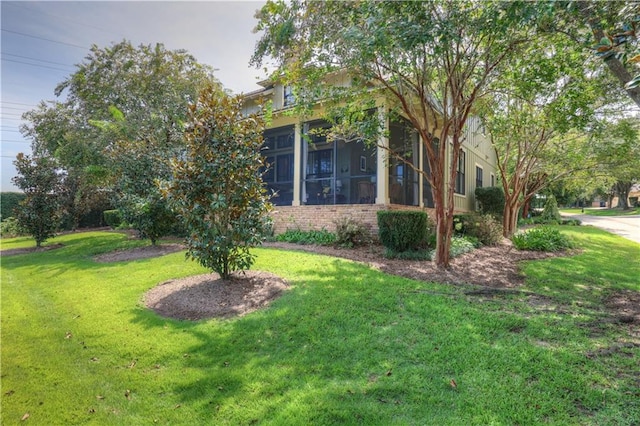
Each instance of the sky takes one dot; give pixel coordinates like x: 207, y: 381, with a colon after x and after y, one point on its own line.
x: 42, y: 41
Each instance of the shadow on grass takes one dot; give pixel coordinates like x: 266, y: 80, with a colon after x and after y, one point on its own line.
x: 350, y: 345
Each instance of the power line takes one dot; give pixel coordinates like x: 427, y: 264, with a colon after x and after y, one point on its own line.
x: 14, y: 141
x: 45, y: 39
x: 34, y: 65
x: 16, y: 103
x: 39, y: 60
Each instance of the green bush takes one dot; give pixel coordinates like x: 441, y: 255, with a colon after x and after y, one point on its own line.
x: 571, y: 222
x: 351, y: 233
x: 459, y: 245
x: 298, y: 236
x: 485, y: 228
x: 543, y: 238
x: 490, y: 200
x: 8, y: 203
x: 550, y: 213
x: 112, y: 218
x: 10, y: 228
x: 403, y: 230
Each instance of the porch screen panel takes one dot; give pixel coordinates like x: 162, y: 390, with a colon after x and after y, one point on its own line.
x: 403, y: 179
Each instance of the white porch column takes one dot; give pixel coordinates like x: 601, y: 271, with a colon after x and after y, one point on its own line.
x: 382, y: 172
x: 297, y: 164
x: 421, y: 167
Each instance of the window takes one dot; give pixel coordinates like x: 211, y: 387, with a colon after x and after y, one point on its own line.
x: 493, y: 180
x: 320, y: 163
x: 288, y: 96
x: 478, y: 177
x: 278, y: 175
x: 460, y: 173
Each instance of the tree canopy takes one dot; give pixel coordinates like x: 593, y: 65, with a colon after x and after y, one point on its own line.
x: 120, y: 119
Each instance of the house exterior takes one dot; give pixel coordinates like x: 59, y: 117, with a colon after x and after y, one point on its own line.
x: 316, y: 181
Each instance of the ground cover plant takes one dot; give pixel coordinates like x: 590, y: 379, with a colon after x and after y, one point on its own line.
x: 346, y: 344
x: 541, y: 238
x: 314, y: 236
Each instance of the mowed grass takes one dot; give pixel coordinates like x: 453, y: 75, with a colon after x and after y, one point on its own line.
x: 603, y: 212
x: 345, y: 345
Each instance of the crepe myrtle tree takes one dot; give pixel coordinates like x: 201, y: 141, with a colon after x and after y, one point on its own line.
x: 217, y: 186
x: 429, y: 61
x: 39, y: 213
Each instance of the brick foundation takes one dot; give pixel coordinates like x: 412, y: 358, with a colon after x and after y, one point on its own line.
x: 323, y: 217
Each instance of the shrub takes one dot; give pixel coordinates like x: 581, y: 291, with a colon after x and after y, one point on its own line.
x: 550, y: 213
x: 490, y: 200
x: 403, y: 230
x: 10, y: 228
x: 351, y: 233
x: 571, y: 222
x: 298, y: 236
x: 149, y: 215
x: 543, y: 238
x: 8, y: 203
x: 485, y: 228
x: 459, y: 246
x: 112, y: 218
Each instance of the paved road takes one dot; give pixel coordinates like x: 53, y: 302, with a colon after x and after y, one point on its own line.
x: 625, y: 226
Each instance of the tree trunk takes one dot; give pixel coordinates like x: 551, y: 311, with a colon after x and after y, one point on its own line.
x: 509, y: 220
x: 525, y: 207
x: 510, y: 215
x: 623, y: 189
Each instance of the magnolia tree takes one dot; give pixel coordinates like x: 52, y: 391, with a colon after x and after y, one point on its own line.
x: 217, y: 186
x: 38, y: 213
x: 427, y: 61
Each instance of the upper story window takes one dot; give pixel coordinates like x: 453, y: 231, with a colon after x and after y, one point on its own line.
x: 288, y: 99
x: 460, y: 173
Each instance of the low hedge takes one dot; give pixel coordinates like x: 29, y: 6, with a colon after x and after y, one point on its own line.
x: 401, y: 231
x: 112, y: 218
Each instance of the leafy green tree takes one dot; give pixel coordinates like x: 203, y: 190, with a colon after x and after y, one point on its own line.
x: 617, y: 151
x: 431, y: 62
x: 38, y: 214
x: 536, y: 116
x: 119, y: 124
x: 217, y: 185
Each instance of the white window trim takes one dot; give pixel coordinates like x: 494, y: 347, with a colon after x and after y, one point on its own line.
x: 475, y: 178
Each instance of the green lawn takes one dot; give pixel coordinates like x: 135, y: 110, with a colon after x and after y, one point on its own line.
x: 345, y: 345
x: 603, y: 212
